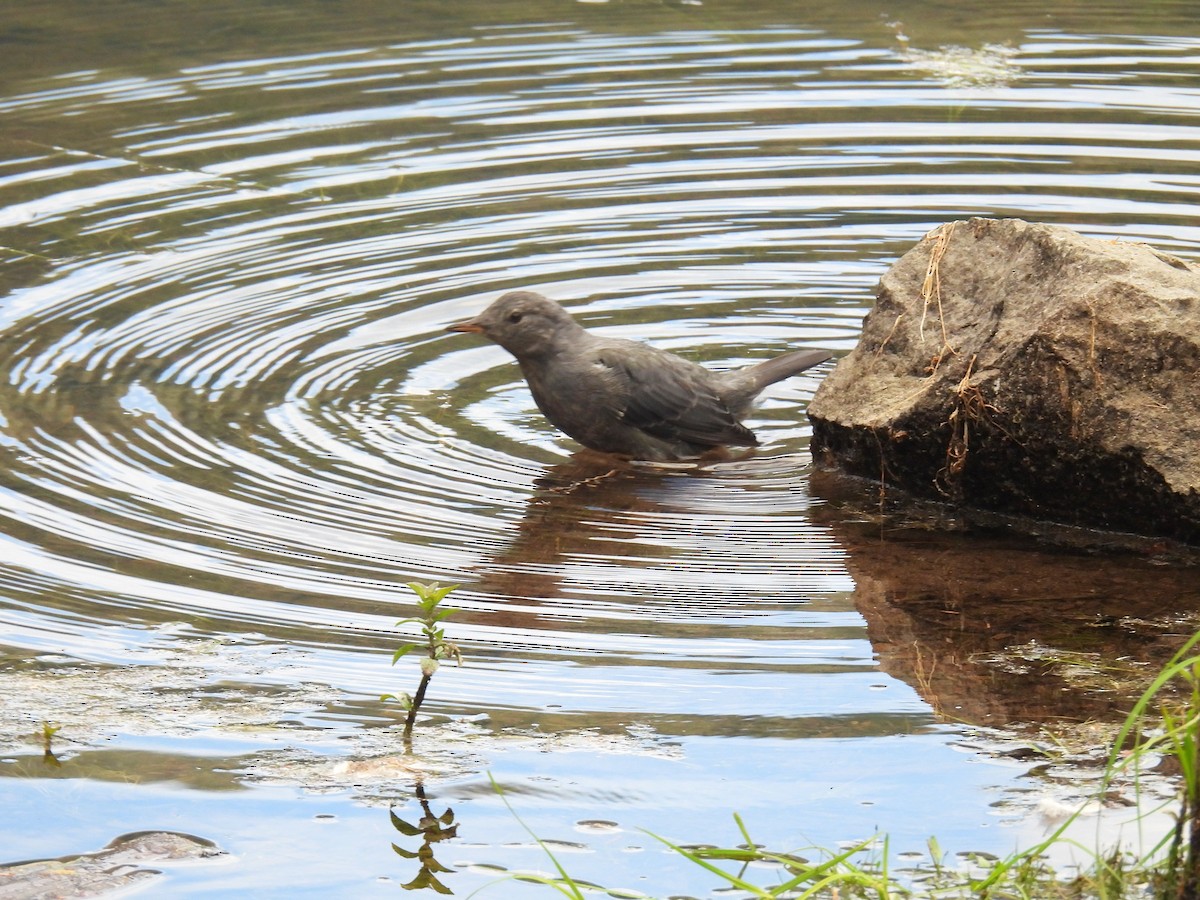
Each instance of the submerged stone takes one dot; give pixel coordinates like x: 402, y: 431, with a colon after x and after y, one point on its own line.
x: 118, y: 867
x: 1028, y: 370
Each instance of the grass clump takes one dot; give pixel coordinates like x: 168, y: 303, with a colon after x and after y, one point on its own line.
x: 1164, y: 725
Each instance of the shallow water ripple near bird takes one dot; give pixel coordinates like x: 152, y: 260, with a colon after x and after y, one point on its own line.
x: 625, y: 397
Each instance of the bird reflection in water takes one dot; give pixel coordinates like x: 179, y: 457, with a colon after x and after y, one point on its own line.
x: 591, y: 507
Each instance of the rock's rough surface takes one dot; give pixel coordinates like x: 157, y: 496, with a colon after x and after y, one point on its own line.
x: 1029, y: 370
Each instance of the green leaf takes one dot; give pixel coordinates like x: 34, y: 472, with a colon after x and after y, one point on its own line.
x: 403, y: 827
x: 402, y: 650
x: 424, y: 880
x: 432, y: 593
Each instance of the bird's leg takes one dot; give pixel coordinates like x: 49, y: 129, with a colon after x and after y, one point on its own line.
x: 584, y: 482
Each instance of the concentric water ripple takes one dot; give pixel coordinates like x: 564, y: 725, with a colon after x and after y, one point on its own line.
x: 232, y: 426
x: 228, y: 396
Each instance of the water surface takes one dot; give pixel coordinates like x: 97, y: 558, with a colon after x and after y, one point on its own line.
x: 232, y: 426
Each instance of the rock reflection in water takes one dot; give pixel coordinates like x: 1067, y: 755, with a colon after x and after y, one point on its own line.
x: 993, y: 629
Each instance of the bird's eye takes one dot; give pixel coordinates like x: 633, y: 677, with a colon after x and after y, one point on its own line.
x: 514, y: 317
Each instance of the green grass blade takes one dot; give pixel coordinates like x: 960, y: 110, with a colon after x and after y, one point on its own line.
x: 568, y: 888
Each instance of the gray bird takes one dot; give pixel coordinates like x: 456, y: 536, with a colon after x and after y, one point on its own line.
x: 626, y: 397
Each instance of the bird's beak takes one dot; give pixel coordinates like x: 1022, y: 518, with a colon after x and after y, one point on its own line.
x: 470, y: 325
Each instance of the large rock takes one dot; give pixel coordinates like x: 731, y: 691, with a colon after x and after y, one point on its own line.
x: 1028, y: 370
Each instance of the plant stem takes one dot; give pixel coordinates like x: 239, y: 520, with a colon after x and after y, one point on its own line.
x: 417, y: 700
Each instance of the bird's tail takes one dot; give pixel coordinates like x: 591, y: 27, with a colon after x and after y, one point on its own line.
x: 740, y: 387
x: 781, y: 367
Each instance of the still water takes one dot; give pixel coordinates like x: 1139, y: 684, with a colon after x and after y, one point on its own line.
x: 232, y: 426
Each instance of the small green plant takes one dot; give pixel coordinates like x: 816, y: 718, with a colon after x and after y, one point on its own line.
x: 47, y: 736
x: 435, y: 647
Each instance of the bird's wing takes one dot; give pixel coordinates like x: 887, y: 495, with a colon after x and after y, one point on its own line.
x: 674, y: 400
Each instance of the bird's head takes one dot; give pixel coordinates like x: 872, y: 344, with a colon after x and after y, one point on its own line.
x: 524, y: 323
